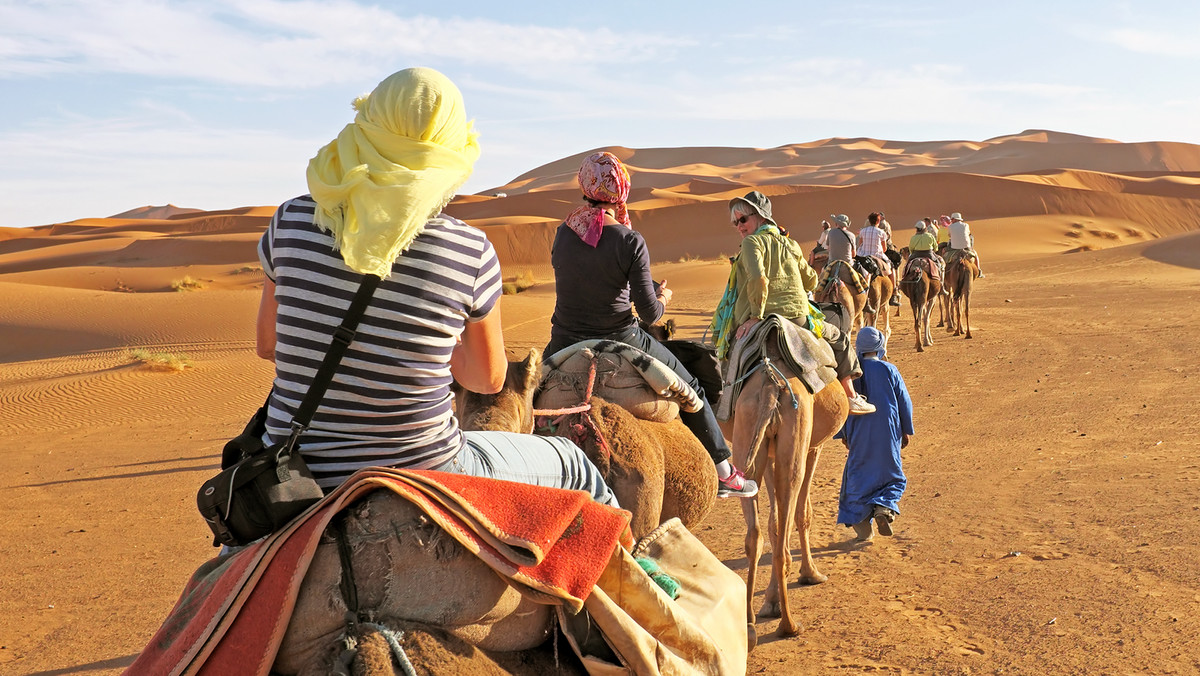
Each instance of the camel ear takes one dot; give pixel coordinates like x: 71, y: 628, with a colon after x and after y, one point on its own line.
x: 531, y: 369
x: 669, y: 327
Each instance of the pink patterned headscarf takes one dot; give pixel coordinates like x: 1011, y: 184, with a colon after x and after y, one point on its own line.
x: 945, y: 220
x: 602, y: 178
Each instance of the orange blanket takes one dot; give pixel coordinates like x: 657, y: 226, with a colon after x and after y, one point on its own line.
x: 233, y: 612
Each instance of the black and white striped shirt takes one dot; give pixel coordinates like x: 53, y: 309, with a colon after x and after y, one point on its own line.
x: 389, y: 403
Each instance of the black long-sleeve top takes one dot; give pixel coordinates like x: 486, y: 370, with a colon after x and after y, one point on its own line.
x: 598, y: 288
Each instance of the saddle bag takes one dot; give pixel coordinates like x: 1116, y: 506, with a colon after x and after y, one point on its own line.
x: 868, y: 265
x: 259, y: 490
x: 257, y: 495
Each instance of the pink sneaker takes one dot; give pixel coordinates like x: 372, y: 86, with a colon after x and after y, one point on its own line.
x: 736, y: 486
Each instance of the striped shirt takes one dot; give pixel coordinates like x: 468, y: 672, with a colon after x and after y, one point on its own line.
x: 871, y: 241
x: 389, y: 403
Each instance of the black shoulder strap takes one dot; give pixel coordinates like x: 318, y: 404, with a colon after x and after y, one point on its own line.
x: 343, y: 335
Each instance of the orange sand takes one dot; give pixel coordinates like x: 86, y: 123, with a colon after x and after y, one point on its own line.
x: 1051, y: 523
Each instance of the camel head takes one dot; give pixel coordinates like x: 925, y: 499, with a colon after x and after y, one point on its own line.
x: 661, y: 331
x: 510, y: 409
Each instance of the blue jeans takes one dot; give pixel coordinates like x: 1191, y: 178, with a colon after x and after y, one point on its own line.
x: 541, y: 461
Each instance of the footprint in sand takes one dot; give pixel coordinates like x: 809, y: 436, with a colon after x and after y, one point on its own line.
x: 935, y: 620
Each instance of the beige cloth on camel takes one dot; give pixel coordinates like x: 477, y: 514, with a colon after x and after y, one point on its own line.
x: 630, y: 626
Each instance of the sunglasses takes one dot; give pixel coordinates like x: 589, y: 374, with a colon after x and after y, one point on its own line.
x: 742, y: 220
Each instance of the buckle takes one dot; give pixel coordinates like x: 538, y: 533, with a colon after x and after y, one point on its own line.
x: 343, y: 335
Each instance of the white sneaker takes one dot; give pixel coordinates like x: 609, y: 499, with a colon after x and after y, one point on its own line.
x: 859, y: 405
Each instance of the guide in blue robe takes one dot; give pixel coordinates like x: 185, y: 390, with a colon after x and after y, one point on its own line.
x: 873, y: 473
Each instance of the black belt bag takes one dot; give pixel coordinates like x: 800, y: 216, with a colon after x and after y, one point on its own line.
x: 260, y: 489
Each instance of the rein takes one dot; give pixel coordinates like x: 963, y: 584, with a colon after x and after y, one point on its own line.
x: 586, y: 424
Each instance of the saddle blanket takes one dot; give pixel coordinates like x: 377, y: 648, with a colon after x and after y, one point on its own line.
x: 807, y: 356
x: 549, y: 543
x: 857, y: 285
x: 915, y: 265
x: 662, y: 380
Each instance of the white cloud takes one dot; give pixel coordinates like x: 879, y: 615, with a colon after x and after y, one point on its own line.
x: 270, y: 43
x: 1155, y: 43
x: 90, y: 168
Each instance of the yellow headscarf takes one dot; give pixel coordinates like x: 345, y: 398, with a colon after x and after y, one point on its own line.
x: 396, y: 166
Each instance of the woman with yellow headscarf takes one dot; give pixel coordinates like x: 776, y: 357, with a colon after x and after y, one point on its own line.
x: 376, y: 193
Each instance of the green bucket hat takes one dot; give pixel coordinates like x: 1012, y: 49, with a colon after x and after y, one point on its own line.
x: 758, y: 202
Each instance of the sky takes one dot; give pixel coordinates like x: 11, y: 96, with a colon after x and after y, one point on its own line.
x: 109, y: 105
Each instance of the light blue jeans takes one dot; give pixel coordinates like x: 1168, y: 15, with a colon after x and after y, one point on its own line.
x: 541, y: 461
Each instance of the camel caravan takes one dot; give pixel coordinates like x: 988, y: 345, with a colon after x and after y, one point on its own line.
x: 400, y: 571
x: 407, y: 500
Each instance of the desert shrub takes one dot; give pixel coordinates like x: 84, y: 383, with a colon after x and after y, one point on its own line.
x: 163, y: 361
x: 188, y: 283
x: 522, y: 281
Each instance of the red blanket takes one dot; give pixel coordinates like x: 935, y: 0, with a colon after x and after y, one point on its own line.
x: 233, y: 612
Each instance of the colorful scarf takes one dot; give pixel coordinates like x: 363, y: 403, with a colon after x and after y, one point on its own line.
x: 721, y: 326
x: 602, y: 178
x: 396, y: 166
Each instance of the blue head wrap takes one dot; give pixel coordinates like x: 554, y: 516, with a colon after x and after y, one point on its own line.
x: 870, y: 340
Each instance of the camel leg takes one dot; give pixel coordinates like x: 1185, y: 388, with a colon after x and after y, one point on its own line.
x: 926, y: 317
x: 771, y: 597
x: 967, y: 312
x: 789, y: 473
x: 808, y: 567
x: 917, y: 310
x: 753, y: 547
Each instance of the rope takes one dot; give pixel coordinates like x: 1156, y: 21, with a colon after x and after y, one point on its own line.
x: 581, y: 408
x: 773, y: 367
x: 393, y: 636
x: 586, y: 423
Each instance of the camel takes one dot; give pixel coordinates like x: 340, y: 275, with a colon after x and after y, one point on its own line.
x: 922, y: 290
x: 779, y: 445
x: 657, y: 470
x: 879, y: 294
x: 960, y: 275
x: 840, y: 290
x: 405, y: 569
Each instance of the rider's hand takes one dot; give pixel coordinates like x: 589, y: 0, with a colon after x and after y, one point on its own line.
x: 664, y: 294
x: 745, y: 328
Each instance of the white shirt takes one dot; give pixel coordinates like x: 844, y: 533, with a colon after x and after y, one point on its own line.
x: 960, y: 235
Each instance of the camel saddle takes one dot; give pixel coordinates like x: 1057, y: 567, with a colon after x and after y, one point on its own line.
x: 912, y: 272
x: 624, y: 375
x: 806, y: 355
x: 953, y: 255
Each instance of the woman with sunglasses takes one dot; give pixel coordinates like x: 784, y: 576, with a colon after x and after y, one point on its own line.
x: 770, y: 276
x: 602, y: 273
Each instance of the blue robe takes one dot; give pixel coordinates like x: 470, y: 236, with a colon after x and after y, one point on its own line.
x: 873, y: 475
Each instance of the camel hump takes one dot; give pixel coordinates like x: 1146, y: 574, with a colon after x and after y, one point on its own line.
x: 624, y: 375
x: 804, y: 355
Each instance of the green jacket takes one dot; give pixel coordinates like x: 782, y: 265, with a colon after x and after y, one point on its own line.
x: 922, y: 241
x: 772, y: 277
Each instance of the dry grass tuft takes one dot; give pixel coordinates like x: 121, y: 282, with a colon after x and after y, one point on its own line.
x: 188, y: 283
x: 522, y: 281
x: 162, y: 361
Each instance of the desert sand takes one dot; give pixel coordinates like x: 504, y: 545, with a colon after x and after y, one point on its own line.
x: 1052, y: 519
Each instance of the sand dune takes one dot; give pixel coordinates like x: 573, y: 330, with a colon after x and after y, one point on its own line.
x: 1049, y: 525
